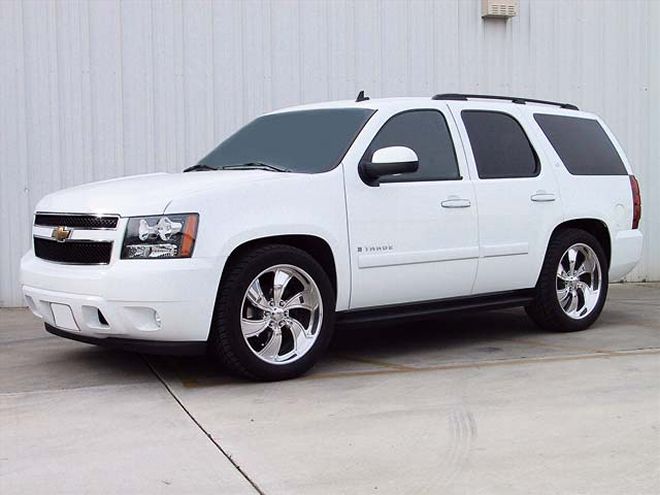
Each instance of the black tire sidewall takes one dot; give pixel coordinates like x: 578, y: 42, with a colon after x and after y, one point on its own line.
x: 231, y: 295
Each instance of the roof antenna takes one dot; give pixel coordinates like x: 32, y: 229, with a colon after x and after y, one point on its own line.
x: 361, y: 97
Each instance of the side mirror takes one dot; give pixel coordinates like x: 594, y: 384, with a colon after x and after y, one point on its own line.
x: 390, y: 161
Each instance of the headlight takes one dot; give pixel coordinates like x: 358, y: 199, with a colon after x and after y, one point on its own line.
x: 160, y: 236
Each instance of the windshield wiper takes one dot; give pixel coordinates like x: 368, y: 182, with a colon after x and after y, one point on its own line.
x: 198, y: 167
x: 255, y: 166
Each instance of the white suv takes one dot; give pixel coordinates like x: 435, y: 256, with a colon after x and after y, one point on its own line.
x: 352, y: 211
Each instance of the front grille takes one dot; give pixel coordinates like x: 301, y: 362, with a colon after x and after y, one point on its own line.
x: 89, y: 222
x: 78, y: 252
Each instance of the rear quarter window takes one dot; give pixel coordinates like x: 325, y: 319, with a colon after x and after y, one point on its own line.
x: 582, y: 145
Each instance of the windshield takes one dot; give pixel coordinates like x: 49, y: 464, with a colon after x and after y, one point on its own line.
x: 308, y: 141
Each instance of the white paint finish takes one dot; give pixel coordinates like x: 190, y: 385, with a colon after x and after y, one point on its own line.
x: 392, y: 242
x: 366, y: 260
x: 426, y: 242
x: 626, y: 252
x: 182, y: 291
x: 394, y: 154
x: 513, y: 230
x: 63, y: 317
x: 510, y: 249
x: 93, y: 90
x: 269, y: 204
x: 147, y: 194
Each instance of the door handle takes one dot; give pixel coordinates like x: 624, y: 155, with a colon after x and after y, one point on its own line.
x: 542, y: 197
x: 454, y: 202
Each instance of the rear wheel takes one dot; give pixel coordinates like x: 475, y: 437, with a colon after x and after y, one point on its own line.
x: 274, y: 315
x: 572, y: 287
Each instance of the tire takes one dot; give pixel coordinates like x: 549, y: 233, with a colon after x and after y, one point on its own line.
x: 253, y: 333
x: 557, y: 287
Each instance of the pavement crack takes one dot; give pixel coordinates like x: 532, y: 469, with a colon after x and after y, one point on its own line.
x: 199, y: 425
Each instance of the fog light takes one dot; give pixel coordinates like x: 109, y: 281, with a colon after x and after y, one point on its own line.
x: 157, y: 319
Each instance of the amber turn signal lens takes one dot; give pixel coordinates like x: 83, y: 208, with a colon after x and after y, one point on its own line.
x: 189, y: 235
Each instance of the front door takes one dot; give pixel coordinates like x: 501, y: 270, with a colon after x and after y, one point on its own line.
x: 413, y: 237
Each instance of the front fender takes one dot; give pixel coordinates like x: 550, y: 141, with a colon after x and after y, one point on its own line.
x: 292, y: 204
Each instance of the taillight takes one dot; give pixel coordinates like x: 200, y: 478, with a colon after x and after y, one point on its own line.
x: 637, y: 202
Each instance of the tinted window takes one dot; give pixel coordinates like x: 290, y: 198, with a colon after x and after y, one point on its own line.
x: 427, y: 134
x: 500, y: 147
x: 582, y: 145
x: 307, y: 141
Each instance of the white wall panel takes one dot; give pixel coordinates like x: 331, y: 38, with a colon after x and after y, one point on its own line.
x: 97, y: 89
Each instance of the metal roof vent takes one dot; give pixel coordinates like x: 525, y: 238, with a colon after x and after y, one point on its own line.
x: 499, y: 9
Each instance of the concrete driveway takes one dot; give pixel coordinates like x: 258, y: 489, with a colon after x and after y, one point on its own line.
x: 484, y: 403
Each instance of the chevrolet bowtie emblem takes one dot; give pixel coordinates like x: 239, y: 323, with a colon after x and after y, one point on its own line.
x: 60, y: 234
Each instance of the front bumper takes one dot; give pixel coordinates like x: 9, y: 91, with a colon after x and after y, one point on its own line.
x: 148, y: 300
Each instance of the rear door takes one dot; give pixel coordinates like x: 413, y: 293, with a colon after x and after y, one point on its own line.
x: 517, y: 194
x: 414, y: 236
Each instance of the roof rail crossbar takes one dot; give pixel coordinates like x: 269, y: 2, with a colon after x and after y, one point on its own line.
x: 514, y: 99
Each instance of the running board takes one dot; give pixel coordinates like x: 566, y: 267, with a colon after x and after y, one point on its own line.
x: 429, y: 309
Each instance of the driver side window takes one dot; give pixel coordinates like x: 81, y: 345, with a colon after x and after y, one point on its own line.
x: 427, y: 134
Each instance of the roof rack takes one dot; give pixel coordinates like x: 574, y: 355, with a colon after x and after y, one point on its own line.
x: 513, y: 99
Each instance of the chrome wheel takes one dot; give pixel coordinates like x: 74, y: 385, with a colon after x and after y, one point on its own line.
x: 281, y: 314
x: 578, y: 281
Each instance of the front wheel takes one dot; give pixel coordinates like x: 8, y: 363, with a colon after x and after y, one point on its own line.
x: 572, y: 287
x: 274, y: 315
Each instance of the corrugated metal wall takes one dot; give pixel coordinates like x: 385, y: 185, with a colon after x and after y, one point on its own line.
x: 98, y: 89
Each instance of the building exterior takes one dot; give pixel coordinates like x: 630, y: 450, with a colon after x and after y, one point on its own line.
x: 94, y: 90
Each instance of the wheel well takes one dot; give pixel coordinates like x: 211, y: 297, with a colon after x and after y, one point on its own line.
x: 316, y: 247
x: 597, y: 228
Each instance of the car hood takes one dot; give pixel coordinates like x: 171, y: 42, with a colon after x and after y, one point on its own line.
x: 148, y: 194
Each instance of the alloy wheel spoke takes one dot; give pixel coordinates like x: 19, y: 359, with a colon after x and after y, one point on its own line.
x: 590, y: 296
x: 300, y: 334
x: 572, y: 307
x: 272, y: 349
x: 250, y: 328
x: 255, y: 295
x: 562, y: 295
x: 587, y: 266
x: 280, y: 281
x: 561, y: 273
x: 302, y: 300
x: 572, y: 259
x: 297, y: 328
x: 581, y: 270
